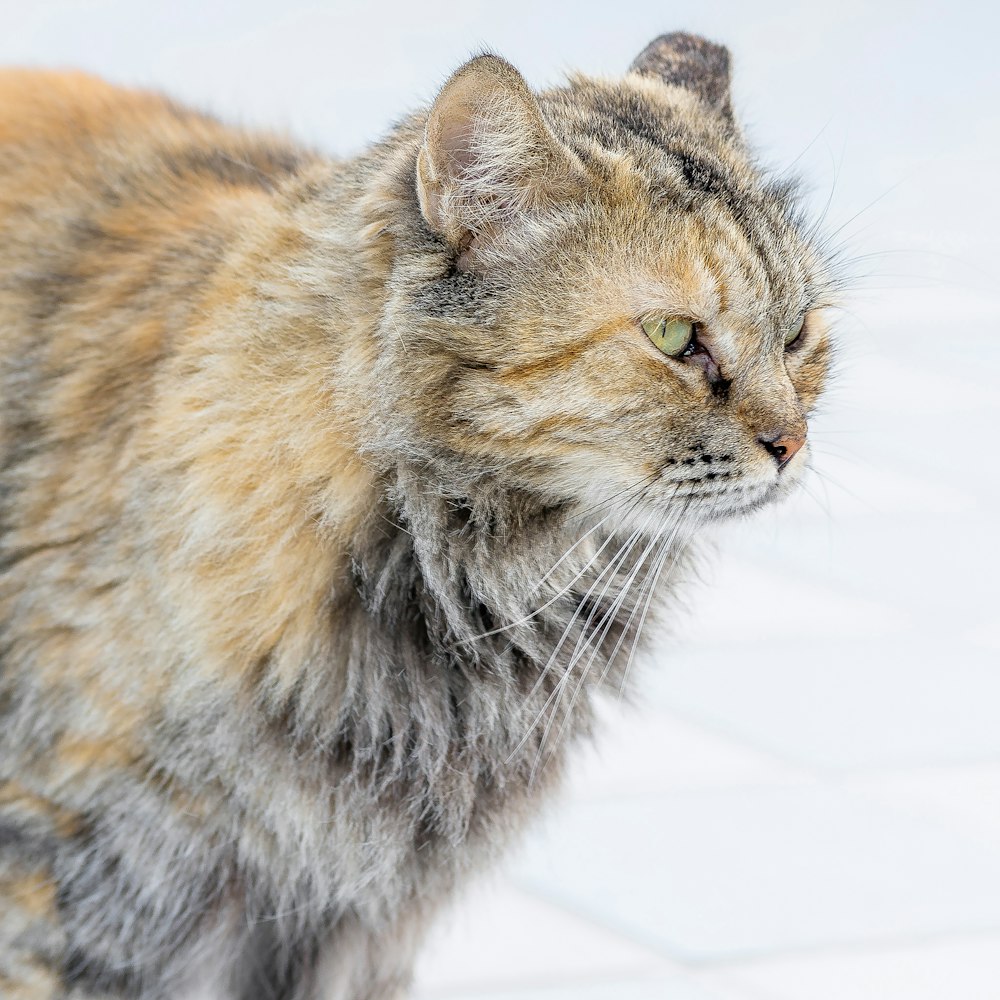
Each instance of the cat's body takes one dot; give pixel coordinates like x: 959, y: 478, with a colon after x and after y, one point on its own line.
x: 282, y: 439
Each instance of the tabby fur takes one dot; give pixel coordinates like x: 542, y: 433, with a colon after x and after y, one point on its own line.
x: 332, y: 492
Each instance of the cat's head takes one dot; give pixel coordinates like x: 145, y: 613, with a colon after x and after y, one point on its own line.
x: 599, y: 294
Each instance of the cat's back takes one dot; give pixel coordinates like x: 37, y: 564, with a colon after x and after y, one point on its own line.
x: 58, y: 108
x: 117, y: 210
x: 73, y: 126
x: 97, y: 182
x: 68, y: 142
x: 140, y: 245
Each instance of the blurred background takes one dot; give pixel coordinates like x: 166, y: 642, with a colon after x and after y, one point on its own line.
x: 804, y: 801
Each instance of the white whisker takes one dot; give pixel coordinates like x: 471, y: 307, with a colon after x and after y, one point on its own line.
x: 552, y: 600
x: 585, y: 640
x: 610, y: 568
x: 649, y: 597
x: 604, y: 628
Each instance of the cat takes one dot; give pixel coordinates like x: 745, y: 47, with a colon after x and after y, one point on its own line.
x: 334, y: 491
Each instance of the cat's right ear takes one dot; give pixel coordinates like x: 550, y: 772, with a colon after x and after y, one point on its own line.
x: 488, y: 157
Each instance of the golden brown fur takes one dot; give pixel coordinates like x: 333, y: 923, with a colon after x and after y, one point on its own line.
x: 288, y: 445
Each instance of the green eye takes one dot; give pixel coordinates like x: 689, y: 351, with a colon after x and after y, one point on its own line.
x: 671, y: 336
x: 794, y: 332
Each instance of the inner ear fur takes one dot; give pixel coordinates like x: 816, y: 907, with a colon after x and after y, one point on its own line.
x: 487, y: 155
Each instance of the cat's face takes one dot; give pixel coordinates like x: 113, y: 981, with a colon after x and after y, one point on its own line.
x: 634, y: 312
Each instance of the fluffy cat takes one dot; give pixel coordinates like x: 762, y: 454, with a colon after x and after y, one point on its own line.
x: 332, y: 491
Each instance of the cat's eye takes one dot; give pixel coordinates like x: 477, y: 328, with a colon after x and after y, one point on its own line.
x: 668, y: 334
x: 794, y: 331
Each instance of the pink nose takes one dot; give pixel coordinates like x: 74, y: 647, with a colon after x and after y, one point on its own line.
x: 782, y: 447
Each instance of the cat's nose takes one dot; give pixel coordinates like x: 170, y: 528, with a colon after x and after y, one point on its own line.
x: 782, y: 447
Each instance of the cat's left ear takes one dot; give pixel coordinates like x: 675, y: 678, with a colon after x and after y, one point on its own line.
x: 488, y: 156
x: 691, y: 63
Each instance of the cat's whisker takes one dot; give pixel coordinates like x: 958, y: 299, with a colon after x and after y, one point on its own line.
x: 635, y: 608
x: 664, y: 536
x: 824, y: 505
x: 645, y: 610
x: 821, y: 443
x: 817, y: 226
x: 596, y: 604
x: 635, y: 501
x: 605, y: 627
x: 651, y: 569
x: 825, y: 477
x: 645, y: 481
x: 633, y: 573
x: 809, y: 145
x: 611, y: 567
x: 629, y: 492
x: 552, y: 600
x: 586, y: 639
x: 885, y: 194
x: 644, y: 600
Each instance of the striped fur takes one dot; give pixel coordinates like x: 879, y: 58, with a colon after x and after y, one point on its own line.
x: 331, y: 492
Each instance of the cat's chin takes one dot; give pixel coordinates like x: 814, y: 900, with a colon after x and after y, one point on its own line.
x: 687, y: 512
x: 755, y: 497
x: 744, y: 505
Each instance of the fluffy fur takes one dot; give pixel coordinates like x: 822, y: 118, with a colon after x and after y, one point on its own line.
x: 332, y: 491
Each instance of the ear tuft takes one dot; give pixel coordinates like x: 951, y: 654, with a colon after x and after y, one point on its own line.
x: 488, y: 156
x: 690, y: 62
